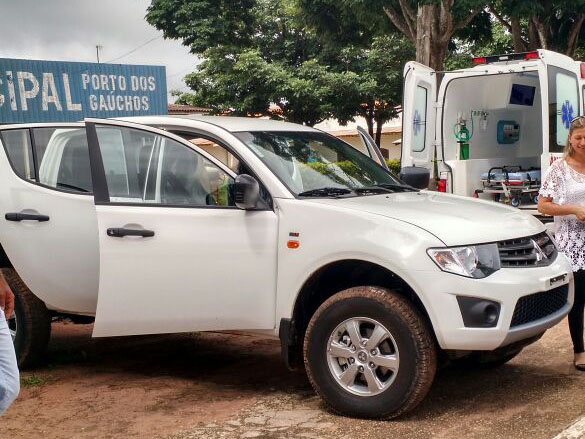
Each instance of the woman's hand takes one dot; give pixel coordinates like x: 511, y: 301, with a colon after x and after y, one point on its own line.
x: 6, y: 297
x: 580, y: 213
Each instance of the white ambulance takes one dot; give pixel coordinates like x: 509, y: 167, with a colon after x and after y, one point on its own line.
x: 492, y: 130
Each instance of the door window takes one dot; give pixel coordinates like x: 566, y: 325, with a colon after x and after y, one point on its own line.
x: 563, y: 100
x: 19, y: 150
x: 62, y: 155
x: 419, y: 119
x: 142, y: 167
x: 217, y: 151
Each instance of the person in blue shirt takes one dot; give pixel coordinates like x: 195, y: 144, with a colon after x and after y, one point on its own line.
x: 9, y: 377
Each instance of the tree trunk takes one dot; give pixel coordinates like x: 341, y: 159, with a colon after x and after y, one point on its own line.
x: 518, y: 41
x: 514, y: 27
x: 425, y: 17
x: 369, y: 116
x: 435, y: 26
x: 541, y: 32
x: 431, y: 41
x: 533, y: 40
x: 574, y: 35
x: 378, y: 138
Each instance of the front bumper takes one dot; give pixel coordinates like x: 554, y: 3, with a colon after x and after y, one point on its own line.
x: 439, y: 290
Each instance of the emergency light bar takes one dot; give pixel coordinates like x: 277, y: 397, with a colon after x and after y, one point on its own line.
x: 523, y: 56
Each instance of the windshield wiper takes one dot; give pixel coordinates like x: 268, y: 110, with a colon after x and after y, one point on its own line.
x: 372, y: 190
x: 326, y: 192
x: 398, y: 187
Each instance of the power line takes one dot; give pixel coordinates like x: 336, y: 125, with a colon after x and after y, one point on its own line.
x: 135, y: 49
x: 181, y: 71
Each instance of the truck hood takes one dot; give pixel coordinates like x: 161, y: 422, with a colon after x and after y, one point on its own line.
x: 453, y: 219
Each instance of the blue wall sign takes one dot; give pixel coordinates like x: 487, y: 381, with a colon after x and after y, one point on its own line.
x: 54, y: 91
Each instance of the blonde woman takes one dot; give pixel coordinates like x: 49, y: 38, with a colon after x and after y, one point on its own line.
x: 562, y: 195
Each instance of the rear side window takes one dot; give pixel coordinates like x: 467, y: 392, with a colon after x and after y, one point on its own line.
x: 19, y: 150
x: 62, y: 155
x: 53, y: 157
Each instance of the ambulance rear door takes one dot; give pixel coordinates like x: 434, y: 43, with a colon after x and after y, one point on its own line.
x: 419, y: 116
x: 561, y: 103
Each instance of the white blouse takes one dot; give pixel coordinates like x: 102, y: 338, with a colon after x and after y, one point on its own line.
x: 567, y: 186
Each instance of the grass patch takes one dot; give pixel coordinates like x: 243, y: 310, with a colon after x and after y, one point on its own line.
x: 33, y: 381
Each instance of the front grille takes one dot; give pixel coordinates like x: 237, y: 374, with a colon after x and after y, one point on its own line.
x: 532, y: 251
x: 539, y: 305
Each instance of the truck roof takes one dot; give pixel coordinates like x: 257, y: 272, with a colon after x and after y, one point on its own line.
x: 229, y: 123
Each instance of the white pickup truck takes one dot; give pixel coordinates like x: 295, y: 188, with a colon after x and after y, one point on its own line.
x: 175, y: 224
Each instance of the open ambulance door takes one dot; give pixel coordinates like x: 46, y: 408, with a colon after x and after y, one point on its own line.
x: 563, y: 102
x: 419, y: 116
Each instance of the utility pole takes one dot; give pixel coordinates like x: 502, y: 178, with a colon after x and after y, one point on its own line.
x: 97, y: 51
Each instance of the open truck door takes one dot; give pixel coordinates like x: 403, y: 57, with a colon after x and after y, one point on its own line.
x: 370, y: 145
x: 419, y: 116
x: 166, y: 238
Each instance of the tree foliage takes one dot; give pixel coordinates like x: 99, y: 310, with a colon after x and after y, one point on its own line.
x: 548, y: 24
x: 274, y: 57
x: 430, y: 25
x: 317, y: 59
x: 499, y: 41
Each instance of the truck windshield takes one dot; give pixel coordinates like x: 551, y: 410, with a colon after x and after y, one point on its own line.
x: 317, y: 164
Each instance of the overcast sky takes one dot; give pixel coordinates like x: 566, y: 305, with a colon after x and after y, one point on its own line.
x: 69, y: 30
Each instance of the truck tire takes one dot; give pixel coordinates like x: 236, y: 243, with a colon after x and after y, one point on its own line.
x: 30, y: 324
x: 369, y: 353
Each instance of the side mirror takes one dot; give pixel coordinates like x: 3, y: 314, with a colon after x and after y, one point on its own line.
x: 246, y: 192
x: 416, y: 176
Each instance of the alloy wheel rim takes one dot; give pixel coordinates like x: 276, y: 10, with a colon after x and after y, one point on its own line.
x: 363, y: 356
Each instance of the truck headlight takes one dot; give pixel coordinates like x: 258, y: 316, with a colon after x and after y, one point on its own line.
x: 475, y: 261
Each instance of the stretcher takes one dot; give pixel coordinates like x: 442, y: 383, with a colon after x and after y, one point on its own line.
x: 511, y: 184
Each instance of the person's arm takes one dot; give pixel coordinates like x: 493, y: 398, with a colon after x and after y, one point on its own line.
x: 9, y: 376
x: 6, y: 297
x: 547, y: 207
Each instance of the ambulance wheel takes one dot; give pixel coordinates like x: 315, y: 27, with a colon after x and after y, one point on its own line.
x: 30, y: 323
x: 369, y: 353
x: 515, y: 201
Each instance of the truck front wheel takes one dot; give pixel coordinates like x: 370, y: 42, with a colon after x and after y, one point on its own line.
x: 369, y: 353
x: 30, y: 323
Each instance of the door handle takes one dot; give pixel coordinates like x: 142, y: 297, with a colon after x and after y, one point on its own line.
x: 120, y: 232
x: 13, y: 216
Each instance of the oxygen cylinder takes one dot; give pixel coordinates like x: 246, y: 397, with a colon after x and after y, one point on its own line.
x: 463, y: 136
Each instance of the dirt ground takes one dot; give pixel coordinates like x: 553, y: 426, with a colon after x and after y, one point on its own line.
x: 216, y: 385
